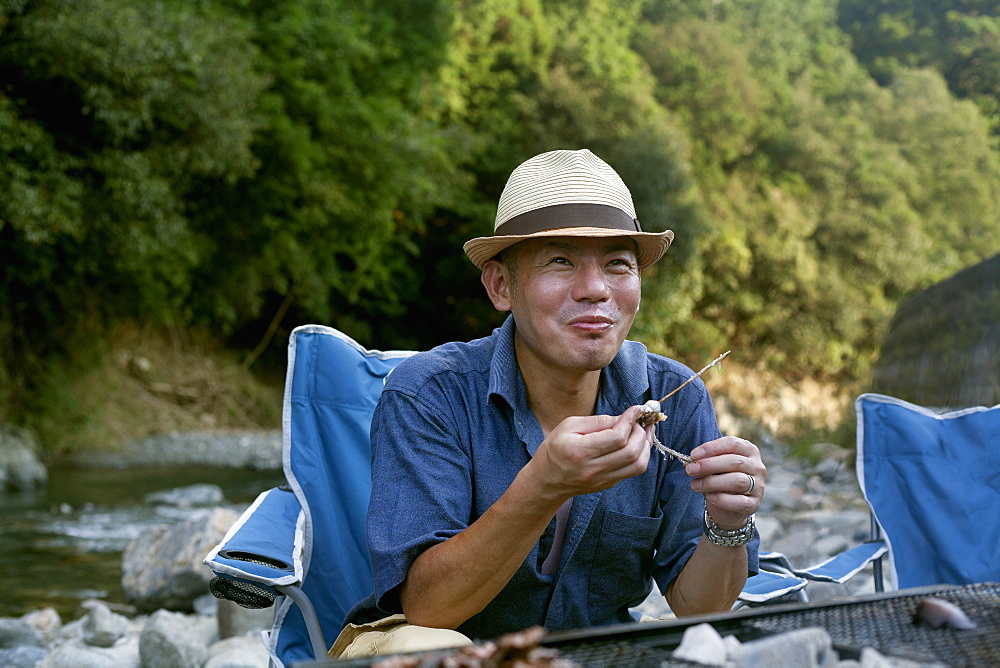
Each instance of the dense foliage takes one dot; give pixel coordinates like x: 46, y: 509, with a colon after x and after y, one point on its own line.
x: 218, y: 163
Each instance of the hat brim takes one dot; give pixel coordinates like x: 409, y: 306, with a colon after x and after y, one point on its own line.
x: 652, y: 245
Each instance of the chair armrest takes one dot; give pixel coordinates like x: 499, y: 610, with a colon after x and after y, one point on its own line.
x: 845, y: 565
x: 766, y: 586
x: 265, y: 545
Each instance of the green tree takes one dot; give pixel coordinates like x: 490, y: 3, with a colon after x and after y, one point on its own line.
x: 352, y: 165
x: 960, y: 39
x: 112, y: 113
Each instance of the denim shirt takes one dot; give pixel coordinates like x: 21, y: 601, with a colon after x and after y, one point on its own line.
x: 451, y: 431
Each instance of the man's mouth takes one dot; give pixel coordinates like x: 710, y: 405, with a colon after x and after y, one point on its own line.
x: 591, y: 324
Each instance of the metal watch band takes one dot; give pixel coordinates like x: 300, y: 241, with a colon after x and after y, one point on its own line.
x: 728, y: 537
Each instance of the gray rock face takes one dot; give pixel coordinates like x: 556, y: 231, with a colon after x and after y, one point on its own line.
x: 20, y: 468
x: 162, y: 568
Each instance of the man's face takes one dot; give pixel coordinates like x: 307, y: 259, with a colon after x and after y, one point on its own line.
x: 573, y: 299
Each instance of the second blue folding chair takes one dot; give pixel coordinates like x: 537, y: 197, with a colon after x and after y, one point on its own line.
x: 932, y: 481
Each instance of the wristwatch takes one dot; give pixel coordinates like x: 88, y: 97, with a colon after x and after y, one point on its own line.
x: 728, y: 537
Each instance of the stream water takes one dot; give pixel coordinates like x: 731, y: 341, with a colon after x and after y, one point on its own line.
x: 63, y: 544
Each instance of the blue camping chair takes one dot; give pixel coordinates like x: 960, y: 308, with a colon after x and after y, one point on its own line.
x: 303, y: 547
x: 307, y: 542
x: 932, y: 481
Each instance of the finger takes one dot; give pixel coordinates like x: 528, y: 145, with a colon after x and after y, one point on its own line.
x: 726, y: 445
x: 623, y: 429
x: 628, y: 419
x: 629, y: 461
x: 634, y: 446
x: 594, y: 436
x: 727, y: 463
x: 588, y: 424
x: 736, y: 483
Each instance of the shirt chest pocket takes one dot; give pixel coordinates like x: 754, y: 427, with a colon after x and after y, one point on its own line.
x: 620, y: 571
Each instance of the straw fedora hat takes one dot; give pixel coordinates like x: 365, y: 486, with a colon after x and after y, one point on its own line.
x: 566, y: 194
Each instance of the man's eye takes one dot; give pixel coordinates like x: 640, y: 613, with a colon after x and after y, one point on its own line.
x: 559, y: 260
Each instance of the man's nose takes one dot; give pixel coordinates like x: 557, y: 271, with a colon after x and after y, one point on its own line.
x: 591, y: 283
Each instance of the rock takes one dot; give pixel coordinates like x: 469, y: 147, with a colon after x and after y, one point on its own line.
x: 783, y: 489
x: 17, y: 633
x: 206, y: 604
x: 769, y: 528
x: 22, y: 657
x: 46, y: 621
x: 237, y: 652
x: 238, y: 621
x: 20, y: 469
x: 88, y: 604
x: 872, y: 658
x: 702, y: 644
x: 175, y: 640
x: 77, y: 654
x: 832, y: 545
x: 202, y: 494
x: 102, y: 627
x: 802, y: 648
x: 162, y: 568
x: 260, y: 450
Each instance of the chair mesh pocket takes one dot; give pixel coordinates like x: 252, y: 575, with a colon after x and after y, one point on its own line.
x: 242, y: 593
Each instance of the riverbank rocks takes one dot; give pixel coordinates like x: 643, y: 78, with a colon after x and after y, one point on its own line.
x: 258, y: 450
x: 104, y: 639
x: 20, y: 468
x: 162, y: 567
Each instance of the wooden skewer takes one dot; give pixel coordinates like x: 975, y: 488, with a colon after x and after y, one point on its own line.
x: 697, y: 375
x: 670, y: 452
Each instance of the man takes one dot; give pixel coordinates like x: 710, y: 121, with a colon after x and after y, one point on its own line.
x: 512, y: 484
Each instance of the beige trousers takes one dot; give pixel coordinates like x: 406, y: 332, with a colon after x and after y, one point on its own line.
x: 392, y: 635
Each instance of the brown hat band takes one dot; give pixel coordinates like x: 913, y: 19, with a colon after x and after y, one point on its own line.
x: 560, y: 216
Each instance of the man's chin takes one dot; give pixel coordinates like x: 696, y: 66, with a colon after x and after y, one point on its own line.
x: 592, y: 360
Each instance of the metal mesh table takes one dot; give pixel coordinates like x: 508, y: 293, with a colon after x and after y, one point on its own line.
x: 882, y: 621
x: 887, y: 625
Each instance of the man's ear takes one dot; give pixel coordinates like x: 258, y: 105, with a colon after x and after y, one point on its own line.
x: 497, y: 284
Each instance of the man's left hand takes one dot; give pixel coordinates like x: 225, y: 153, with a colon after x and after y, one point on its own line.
x: 723, y: 470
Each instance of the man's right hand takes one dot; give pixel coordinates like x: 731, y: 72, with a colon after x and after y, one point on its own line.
x: 588, y: 454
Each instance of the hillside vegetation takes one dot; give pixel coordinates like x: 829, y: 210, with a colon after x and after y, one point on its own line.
x: 231, y: 169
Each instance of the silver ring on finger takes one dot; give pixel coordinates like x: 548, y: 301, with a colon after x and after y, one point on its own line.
x: 751, y: 487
